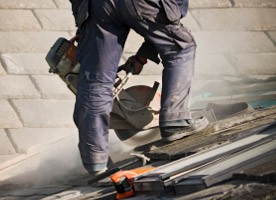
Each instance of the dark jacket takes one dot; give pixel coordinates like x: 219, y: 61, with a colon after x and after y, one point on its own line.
x: 183, y: 6
x: 147, y: 49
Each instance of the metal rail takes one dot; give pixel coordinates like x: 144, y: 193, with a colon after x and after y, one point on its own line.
x: 199, y: 160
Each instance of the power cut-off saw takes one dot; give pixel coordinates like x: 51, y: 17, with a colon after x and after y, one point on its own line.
x: 135, y: 112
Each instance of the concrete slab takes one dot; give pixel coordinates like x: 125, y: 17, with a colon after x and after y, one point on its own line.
x: 254, y: 63
x: 29, y: 4
x: 9, y: 160
x: 233, y: 42
x: 8, y: 118
x: 27, y: 140
x: 255, y: 3
x: 50, y: 165
x: 18, y: 20
x: 63, y: 4
x: 238, y: 19
x: 213, y: 64
x: 52, y: 87
x: 6, y: 147
x: 17, y: 86
x: 38, y: 113
x: 62, y: 156
x: 29, y: 42
x: 2, y: 71
x: 25, y: 63
x: 134, y: 41
x: 209, y: 4
x: 59, y: 19
x: 272, y: 36
x: 190, y: 22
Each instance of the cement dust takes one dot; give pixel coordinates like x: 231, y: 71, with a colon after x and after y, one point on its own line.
x: 56, y: 164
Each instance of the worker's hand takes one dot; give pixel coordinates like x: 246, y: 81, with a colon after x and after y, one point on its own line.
x: 135, y: 64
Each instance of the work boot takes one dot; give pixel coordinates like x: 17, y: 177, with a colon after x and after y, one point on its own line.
x: 172, y: 133
x: 97, y: 173
x: 96, y: 176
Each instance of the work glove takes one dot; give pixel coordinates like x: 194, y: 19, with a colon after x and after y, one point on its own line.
x: 135, y: 64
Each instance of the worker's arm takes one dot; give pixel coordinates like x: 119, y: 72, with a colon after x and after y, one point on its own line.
x: 80, y: 11
x: 148, y: 51
x: 75, y: 6
x: 135, y: 63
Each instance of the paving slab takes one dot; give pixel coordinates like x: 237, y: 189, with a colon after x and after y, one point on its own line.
x: 272, y: 36
x: 134, y: 41
x: 48, y: 165
x: 9, y: 119
x: 17, y: 86
x: 28, y: 140
x: 18, y: 20
x: 233, y: 42
x: 213, y: 64
x: 238, y: 19
x: 8, y: 160
x: 29, y: 42
x: 255, y: 3
x: 209, y: 4
x: 190, y: 22
x: 25, y: 63
x: 63, y: 3
x: 6, y: 147
x: 58, y: 19
x: 38, y: 113
x: 2, y: 71
x: 254, y: 63
x: 27, y: 4
x: 52, y: 87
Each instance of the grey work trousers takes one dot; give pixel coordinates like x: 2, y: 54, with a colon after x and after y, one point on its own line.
x: 103, y: 37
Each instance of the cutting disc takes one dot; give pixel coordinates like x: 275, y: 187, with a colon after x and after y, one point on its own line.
x: 135, y: 137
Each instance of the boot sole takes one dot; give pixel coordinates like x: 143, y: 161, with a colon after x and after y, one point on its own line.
x: 179, y: 136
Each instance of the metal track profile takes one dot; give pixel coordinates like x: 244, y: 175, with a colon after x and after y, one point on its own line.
x: 167, y: 174
x: 224, y: 170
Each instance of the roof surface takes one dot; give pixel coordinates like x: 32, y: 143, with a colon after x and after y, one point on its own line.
x: 236, y: 46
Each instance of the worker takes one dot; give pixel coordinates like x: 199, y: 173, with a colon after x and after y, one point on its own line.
x: 103, y: 26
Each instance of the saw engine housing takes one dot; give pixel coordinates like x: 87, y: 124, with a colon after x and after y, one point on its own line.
x: 135, y: 108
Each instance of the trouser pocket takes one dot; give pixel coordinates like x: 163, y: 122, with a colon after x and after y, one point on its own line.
x: 160, y: 11
x: 172, y: 10
x: 181, y: 35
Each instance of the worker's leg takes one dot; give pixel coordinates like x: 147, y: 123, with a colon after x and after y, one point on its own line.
x: 176, y: 48
x: 100, y: 47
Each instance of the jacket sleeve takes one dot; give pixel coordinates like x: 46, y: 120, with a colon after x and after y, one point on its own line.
x: 148, y: 51
x: 75, y: 6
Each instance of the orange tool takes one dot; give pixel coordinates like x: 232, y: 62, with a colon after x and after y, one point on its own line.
x: 123, y: 181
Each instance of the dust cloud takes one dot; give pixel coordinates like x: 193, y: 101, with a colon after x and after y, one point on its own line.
x: 57, y: 164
